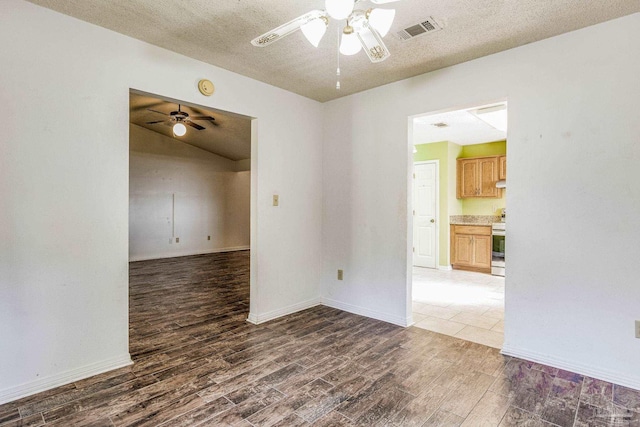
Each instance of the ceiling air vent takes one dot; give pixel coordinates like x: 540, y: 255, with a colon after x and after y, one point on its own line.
x: 426, y: 26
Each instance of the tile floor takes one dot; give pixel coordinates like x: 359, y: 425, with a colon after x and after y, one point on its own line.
x: 462, y: 304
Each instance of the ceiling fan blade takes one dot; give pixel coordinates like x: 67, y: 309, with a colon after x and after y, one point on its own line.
x: 193, y: 125
x: 286, y: 29
x: 201, y: 118
x: 153, y: 123
x: 159, y: 112
x: 372, y: 43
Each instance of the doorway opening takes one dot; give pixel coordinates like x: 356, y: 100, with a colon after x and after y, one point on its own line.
x: 458, y: 199
x: 190, y: 213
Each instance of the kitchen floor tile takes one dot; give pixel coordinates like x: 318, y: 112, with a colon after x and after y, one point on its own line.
x: 454, y: 302
x: 441, y: 326
x: 497, y: 313
x: 436, y: 311
x: 499, y: 327
x: 481, y: 336
x: 475, y: 320
x: 417, y: 317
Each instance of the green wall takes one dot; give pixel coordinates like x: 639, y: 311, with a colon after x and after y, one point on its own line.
x: 439, y: 151
x: 497, y: 148
x: 446, y: 153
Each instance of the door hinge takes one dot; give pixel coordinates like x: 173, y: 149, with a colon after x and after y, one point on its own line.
x: 414, y: 249
x: 414, y: 176
x: 414, y: 211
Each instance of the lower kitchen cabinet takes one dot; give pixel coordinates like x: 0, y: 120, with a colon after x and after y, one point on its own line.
x: 471, y: 247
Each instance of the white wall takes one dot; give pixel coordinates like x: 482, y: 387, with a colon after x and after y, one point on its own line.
x: 64, y: 190
x: 177, y: 190
x: 237, y: 222
x: 572, y: 289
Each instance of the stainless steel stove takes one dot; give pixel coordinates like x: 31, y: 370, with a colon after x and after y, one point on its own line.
x: 498, y: 234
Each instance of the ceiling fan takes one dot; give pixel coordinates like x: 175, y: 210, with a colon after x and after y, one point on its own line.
x: 179, y: 119
x: 364, y: 29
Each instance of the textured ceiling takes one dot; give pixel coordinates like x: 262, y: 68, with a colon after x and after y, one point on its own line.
x: 219, y: 32
x: 463, y: 128
x: 231, y: 138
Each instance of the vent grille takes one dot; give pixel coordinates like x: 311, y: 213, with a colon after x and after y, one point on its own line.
x: 426, y: 26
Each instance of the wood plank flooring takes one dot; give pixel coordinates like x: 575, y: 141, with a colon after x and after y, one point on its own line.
x: 199, y: 363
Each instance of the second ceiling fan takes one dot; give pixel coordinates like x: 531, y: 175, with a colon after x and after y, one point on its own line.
x: 181, y: 118
x: 364, y: 30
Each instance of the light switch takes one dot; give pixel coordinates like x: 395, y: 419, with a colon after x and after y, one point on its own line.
x: 276, y: 200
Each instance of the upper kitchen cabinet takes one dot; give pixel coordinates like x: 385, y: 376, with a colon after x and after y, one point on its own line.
x: 477, y: 177
x: 503, y: 167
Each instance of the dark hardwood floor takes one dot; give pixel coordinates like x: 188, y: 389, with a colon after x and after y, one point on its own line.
x: 198, y: 362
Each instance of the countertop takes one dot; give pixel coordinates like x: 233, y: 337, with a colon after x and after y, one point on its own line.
x: 474, y: 219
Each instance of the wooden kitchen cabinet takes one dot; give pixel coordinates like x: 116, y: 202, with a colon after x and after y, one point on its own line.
x: 503, y: 167
x: 471, y: 247
x: 476, y: 177
x: 467, y: 178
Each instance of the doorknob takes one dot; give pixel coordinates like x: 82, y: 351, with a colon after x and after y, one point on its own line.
x: 432, y: 221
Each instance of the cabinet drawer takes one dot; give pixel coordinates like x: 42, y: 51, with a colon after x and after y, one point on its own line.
x: 484, y: 230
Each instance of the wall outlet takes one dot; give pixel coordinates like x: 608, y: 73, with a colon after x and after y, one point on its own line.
x: 637, y: 328
x: 340, y: 274
x: 177, y: 240
x: 276, y: 200
x: 208, y: 237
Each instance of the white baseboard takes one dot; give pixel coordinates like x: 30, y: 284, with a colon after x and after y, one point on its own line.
x: 41, y: 384
x: 568, y: 365
x: 362, y: 311
x: 190, y: 253
x: 396, y: 320
x: 256, y: 319
x: 445, y: 267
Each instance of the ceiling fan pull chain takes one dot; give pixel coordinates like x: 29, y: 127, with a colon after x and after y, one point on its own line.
x: 338, y: 68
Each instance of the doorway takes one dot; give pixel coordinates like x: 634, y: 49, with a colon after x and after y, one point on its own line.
x: 190, y: 212
x: 457, y: 295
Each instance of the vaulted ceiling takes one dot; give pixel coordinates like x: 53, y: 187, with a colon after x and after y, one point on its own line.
x: 227, y: 135
x: 219, y: 32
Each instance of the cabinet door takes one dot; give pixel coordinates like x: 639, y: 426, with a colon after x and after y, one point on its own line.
x: 503, y: 167
x: 482, y: 251
x: 467, y: 178
x: 462, y: 250
x: 487, y: 177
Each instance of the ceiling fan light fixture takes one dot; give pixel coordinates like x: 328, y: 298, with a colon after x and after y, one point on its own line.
x: 381, y: 19
x: 349, y: 44
x: 179, y: 129
x: 314, y: 30
x: 339, y: 9
x: 372, y: 44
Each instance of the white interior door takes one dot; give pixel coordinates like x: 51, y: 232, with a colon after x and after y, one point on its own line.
x: 424, y: 215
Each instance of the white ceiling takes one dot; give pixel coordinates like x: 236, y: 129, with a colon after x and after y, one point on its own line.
x: 219, y: 32
x: 231, y: 138
x: 463, y: 128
